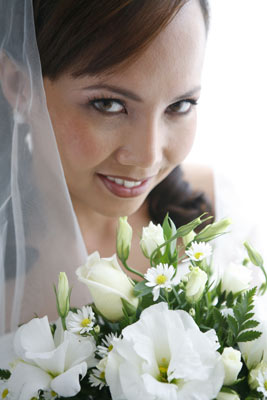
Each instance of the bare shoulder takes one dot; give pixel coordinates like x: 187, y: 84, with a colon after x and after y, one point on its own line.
x: 200, y: 178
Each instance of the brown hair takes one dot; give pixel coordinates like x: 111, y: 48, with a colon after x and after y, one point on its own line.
x: 90, y: 37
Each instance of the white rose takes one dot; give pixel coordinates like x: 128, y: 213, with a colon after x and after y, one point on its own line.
x: 195, y: 285
x: 49, y: 363
x: 107, y: 284
x: 232, y: 364
x: 152, y: 237
x: 236, y: 278
x: 168, y: 358
x: 228, y: 396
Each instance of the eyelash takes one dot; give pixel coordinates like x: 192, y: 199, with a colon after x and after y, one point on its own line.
x: 109, y: 99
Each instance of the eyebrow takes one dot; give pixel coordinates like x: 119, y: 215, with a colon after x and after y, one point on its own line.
x: 131, y: 95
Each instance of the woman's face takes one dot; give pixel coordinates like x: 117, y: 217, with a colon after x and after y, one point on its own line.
x: 120, y: 134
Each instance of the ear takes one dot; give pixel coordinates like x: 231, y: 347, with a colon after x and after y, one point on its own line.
x: 12, y: 81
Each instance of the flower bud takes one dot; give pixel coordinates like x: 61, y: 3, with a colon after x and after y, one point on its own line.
x: 231, y: 395
x: 63, y: 295
x: 196, y: 284
x: 188, y: 238
x: 192, y: 312
x: 211, y: 231
x: 124, y: 239
x: 254, y: 256
x: 232, y: 365
x: 152, y: 237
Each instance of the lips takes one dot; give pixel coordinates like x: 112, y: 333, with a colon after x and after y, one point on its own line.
x: 122, y: 187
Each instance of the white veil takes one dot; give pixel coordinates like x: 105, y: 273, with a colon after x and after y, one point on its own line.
x: 39, y: 233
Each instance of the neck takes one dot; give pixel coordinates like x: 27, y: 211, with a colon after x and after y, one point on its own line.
x: 99, y: 231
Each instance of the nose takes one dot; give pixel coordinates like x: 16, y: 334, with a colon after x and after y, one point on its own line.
x: 143, y: 146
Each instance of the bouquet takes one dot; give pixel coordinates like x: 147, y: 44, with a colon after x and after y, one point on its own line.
x: 180, y: 331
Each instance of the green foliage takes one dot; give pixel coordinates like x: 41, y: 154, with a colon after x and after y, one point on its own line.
x: 4, y: 374
x: 141, y: 289
x: 241, y: 323
x: 171, y: 235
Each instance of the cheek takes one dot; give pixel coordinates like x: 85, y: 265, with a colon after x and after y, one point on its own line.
x: 182, y: 140
x: 79, y: 144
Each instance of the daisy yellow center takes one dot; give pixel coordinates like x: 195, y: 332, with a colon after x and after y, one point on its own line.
x: 198, y: 255
x: 110, y: 347
x: 85, y: 322
x: 53, y: 394
x: 161, y: 279
x: 265, y: 385
x: 102, y: 375
x: 5, y: 393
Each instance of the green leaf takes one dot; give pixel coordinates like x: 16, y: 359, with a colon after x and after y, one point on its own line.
x: 250, y: 324
x: 5, y: 374
x: 233, y: 325
x: 230, y: 300
x: 241, y: 323
x: 141, y: 289
x: 247, y: 336
x: 128, y: 309
x: 166, y: 228
x: 218, y: 316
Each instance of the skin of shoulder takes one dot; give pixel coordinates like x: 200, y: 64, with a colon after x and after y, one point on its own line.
x: 201, y: 178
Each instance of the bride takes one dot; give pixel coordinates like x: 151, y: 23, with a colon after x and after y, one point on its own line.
x: 98, y: 106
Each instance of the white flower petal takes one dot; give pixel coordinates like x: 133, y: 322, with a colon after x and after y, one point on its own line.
x: 161, y: 346
x: 35, y: 336
x: 26, y: 380
x: 79, y: 349
x: 68, y: 383
x: 53, y: 361
x: 161, y: 390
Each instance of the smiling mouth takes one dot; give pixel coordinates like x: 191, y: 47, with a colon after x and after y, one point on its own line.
x: 121, y: 187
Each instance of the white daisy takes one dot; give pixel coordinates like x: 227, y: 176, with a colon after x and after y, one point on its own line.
x: 97, y: 376
x: 161, y: 277
x: 82, y: 321
x: 107, y: 346
x: 198, y: 251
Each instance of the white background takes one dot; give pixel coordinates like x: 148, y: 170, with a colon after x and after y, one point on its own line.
x: 232, y: 127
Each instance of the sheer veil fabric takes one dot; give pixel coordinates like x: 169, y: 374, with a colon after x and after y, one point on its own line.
x: 39, y: 232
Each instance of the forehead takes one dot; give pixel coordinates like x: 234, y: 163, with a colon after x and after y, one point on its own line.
x: 173, y: 59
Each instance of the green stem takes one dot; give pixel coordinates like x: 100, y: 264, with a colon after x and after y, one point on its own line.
x: 176, y: 295
x: 167, y: 297
x: 63, y: 321
x: 131, y: 269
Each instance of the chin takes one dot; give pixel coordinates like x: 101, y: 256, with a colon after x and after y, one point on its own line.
x: 120, y: 208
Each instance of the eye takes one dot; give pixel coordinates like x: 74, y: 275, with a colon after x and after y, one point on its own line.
x: 182, y: 106
x: 108, y: 106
